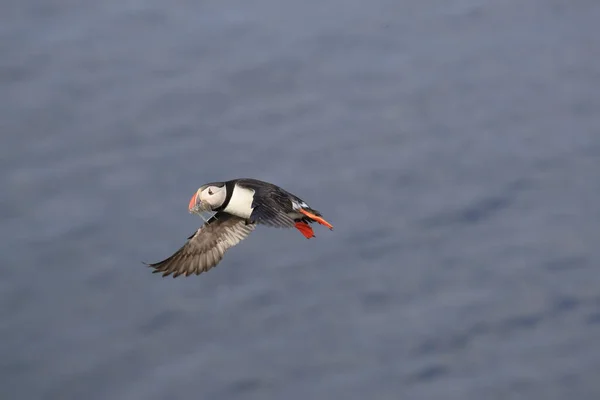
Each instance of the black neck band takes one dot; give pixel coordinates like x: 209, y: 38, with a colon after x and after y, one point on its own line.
x: 229, y: 187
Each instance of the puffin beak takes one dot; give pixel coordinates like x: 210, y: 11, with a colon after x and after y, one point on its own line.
x: 194, y: 202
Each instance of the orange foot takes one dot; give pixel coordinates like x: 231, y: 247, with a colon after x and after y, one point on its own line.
x: 320, y: 220
x: 305, y: 229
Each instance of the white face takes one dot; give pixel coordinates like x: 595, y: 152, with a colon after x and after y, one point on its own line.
x: 212, y: 196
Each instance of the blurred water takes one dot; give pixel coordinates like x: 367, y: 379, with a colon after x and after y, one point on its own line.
x: 453, y: 144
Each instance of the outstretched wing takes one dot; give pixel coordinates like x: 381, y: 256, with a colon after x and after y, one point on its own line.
x: 205, y: 248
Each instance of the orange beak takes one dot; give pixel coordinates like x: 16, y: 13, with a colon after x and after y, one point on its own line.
x: 193, y: 202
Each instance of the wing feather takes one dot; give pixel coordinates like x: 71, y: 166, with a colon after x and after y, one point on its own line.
x: 205, y: 248
x: 268, y: 215
x: 271, y: 205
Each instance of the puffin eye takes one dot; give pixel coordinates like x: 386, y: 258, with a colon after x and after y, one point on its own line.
x: 210, y: 192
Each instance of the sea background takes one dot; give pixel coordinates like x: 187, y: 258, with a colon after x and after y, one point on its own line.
x: 454, y: 145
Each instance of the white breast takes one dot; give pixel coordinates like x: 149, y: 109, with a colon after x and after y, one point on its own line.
x: 240, y: 203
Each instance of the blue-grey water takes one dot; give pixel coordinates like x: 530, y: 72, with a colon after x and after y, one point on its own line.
x: 454, y: 145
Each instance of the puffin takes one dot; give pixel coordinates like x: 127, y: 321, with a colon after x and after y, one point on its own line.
x: 239, y: 205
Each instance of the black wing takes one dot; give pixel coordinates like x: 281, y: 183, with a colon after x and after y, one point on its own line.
x: 205, y: 248
x: 272, y: 205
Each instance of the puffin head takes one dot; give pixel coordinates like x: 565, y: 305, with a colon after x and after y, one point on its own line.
x: 208, y: 197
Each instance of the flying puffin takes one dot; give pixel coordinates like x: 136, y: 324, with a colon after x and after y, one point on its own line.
x: 240, y: 204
